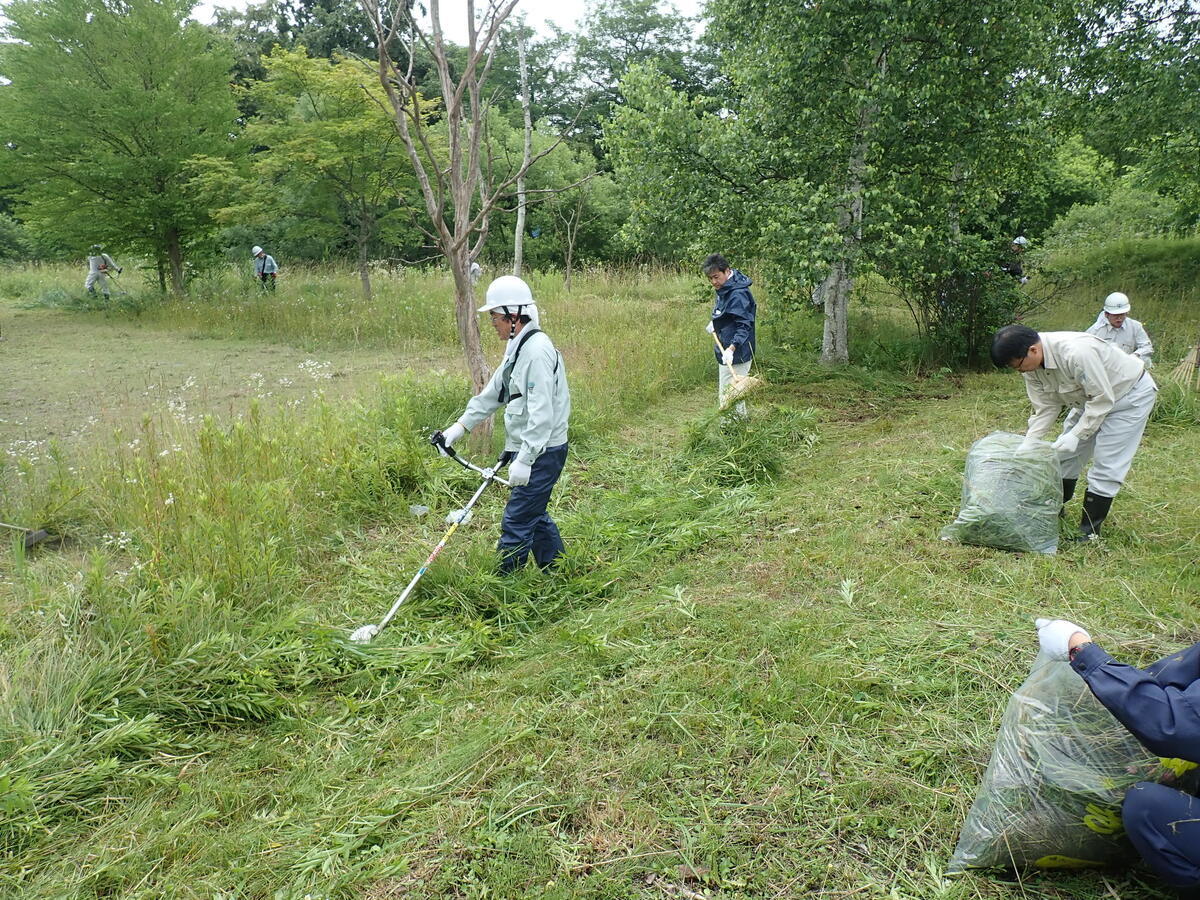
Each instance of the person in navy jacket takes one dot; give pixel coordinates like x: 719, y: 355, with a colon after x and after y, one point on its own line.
x: 732, y: 322
x: 1160, y: 705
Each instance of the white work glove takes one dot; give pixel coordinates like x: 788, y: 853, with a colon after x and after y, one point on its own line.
x: 727, y: 356
x: 1024, y: 279
x: 518, y: 473
x: 450, y: 435
x: 710, y: 328
x: 1027, y: 444
x: 1066, y: 444
x: 1055, y: 636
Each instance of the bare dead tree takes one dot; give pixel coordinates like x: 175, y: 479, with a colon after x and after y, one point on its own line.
x: 458, y: 198
x: 519, y: 236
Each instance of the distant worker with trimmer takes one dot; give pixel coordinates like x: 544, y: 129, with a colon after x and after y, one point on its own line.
x: 100, y: 265
x: 531, y: 384
x: 732, y: 324
x: 264, y: 268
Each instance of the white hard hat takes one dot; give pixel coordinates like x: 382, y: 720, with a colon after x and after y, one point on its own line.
x: 510, y: 295
x: 254, y: 251
x: 1116, y: 303
x: 1020, y: 240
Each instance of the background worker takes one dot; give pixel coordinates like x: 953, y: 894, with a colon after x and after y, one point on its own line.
x: 1114, y: 326
x: 1160, y: 705
x: 100, y: 264
x: 264, y: 268
x: 1112, y: 392
x: 1014, y: 265
x: 732, y: 322
x: 531, y: 384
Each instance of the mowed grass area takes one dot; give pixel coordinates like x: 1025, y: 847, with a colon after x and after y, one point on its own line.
x: 758, y: 674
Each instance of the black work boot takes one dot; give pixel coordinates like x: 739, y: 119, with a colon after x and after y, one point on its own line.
x: 1068, y: 493
x: 1095, y: 510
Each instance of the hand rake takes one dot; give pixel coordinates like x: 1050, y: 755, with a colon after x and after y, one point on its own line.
x: 739, y: 386
x: 364, y: 633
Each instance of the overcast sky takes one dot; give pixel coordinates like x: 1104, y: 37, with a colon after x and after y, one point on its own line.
x: 564, y: 13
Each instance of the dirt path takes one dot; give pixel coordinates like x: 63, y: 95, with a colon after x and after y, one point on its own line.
x: 71, y: 377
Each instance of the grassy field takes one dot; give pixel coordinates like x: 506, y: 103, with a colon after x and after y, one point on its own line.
x: 758, y: 673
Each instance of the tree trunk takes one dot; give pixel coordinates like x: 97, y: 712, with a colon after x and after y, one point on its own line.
x: 175, y: 261
x: 467, y: 321
x: 364, y: 269
x: 839, y: 284
x: 519, y: 237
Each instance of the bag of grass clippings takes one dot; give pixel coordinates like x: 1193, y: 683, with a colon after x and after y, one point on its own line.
x: 1012, y: 492
x: 1051, y: 795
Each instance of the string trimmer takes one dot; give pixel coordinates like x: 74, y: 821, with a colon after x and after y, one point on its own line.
x: 364, y: 633
x: 33, y: 537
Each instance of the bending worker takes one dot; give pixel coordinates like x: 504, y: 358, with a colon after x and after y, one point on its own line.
x: 531, y: 384
x: 1114, y: 326
x: 1111, y: 395
x: 732, y: 322
x: 1160, y: 705
x: 99, y: 265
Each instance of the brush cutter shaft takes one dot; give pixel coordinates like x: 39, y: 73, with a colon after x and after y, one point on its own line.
x: 432, y: 556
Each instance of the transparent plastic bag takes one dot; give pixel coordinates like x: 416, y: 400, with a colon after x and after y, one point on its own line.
x: 1051, y: 796
x: 1011, y: 496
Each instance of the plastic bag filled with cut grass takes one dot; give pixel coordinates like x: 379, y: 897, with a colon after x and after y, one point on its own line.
x: 1051, y: 796
x: 1011, y: 495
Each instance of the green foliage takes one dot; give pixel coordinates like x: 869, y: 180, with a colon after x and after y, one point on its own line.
x: 958, y: 296
x: 1052, y: 184
x: 108, y: 111
x: 616, y: 36
x: 15, y: 243
x: 328, y: 165
x: 1127, y: 213
x: 835, y: 153
x: 1168, y: 264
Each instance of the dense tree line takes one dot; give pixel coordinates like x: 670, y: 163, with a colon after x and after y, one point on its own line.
x: 823, y: 140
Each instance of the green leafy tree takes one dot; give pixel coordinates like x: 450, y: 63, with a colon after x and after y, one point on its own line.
x: 852, y: 137
x: 614, y: 36
x: 110, y: 106
x: 329, y: 164
x: 1137, y: 91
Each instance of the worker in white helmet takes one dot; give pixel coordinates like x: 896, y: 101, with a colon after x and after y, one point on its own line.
x: 265, y: 268
x: 1114, y: 326
x: 100, y: 267
x: 1014, y: 264
x: 531, y: 384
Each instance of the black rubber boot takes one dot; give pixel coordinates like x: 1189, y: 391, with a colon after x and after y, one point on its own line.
x: 1095, y: 511
x: 1068, y: 493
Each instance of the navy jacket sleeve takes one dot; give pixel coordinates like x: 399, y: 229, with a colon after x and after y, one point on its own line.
x: 1160, y: 706
x: 738, y: 306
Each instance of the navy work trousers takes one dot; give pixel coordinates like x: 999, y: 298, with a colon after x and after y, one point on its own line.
x: 527, y: 526
x: 1164, y: 826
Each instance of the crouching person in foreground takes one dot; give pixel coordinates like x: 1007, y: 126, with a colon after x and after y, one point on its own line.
x: 1160, y: 706
x: 531, y: 384
x: 1110, y: 394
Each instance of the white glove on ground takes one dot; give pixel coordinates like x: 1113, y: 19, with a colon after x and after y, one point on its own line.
x: 518, y: 473
x: 710, y: 328
x: 452, y: 434
x: 1055, y: 635
x: 727, y: 356
x: 1066, y: 444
